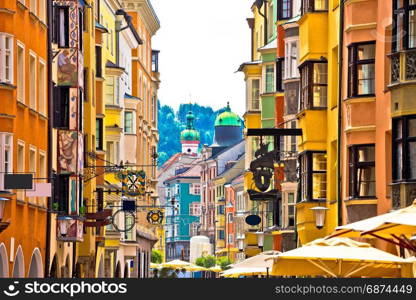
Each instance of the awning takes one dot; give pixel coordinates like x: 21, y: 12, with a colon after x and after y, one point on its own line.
x: 340, y: 257
x: 225, y: 250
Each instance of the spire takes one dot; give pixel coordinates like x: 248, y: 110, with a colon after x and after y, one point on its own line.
x: 228, y: 108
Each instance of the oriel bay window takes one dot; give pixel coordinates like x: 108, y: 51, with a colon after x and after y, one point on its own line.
x: 404, y: 25
x: 61, y: 107
x: 314, y: 6
x: 361, y: 69
x: 314, y: 85
x: 404, y: 148
x: 312, y: 176
x: 269, y: 82
x: 362, y: 171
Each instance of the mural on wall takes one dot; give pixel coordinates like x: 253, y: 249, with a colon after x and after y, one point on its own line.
x: 80, y: 154
x: 68, y: 67
x: 68, y: 152
x: 73, y: 21
x: 69, y: 229
x: 73, y: 109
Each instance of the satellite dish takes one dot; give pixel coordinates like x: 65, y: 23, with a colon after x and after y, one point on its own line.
x: 253, y: 220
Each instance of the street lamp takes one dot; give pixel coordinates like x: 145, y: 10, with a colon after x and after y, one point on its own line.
x: 319, y: 212
x: 2, y: 204
x: 240, y: 245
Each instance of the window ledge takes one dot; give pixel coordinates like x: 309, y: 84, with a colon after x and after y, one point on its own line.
x: 21, y: 104
x: 20, y: 202
x: 7, y: 11
x: 33, y: 111
x: 34, y: 17
x: 21, y: 5
x: 130, y: 134
x: 43, y: 117
x: 360, y: 99
x: 7, y: 86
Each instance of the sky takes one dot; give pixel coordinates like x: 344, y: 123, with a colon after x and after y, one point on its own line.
x: 202, y: 44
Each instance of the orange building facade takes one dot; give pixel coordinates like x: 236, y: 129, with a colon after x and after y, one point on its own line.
x: 23, y: 134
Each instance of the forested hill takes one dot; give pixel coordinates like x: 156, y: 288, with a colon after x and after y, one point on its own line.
x: 171, y: 124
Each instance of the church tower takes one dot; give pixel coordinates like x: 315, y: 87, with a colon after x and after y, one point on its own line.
x: 190, y: 137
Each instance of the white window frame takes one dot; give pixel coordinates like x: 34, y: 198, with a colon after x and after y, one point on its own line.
x: 33, y: 94
x: 44, y: 174
x: 291, y: 68
x: 34, y: 7
x: 9, y: 53
x: 42, y: 10
x: 21, y: 72
x: 133, y: 123
x: 42, y: 103
x: 3, y: 147
x: 264, y: 85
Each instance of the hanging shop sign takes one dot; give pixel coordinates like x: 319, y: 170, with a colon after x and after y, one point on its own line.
x: 253, y: 220
x: 133, y: 182
x: 155, y: 217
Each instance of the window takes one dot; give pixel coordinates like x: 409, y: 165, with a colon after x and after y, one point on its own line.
x: 314, y: 85
x: 221, y: 235
x: 99, y: 133
x: 42, y: 174
x: 314, y: 6
x: 313, y: 176
x: 33, y: 6
x: 285, y: 9
x: 61, y: 107
x: 32, y: 167
x: 128, y: 122
x: 80, y: 29
x: 128, y: 222
x: 6, y: 58
x: 269, y: 88
x: 404, y: 148
x: 20, y: 73
x: 98, y: 62
x: 221, y: 209
x: 155, y: 61
x: 20, y: 165
x: 195, y: 189
x: 193, y: 229
x: 280, y: 74
x: 362, y: 171
x: 32, y: 81
x: 361, y: 69
x: 42, y: 88
x: 109, y: 90
x: 291, y: 205
x: 255, y: 94
x: 240, y: 207
x: 230, y: 218
x: 177, y: 189
x: 270, y: 20
x: 61, y: 26
x: 195, y: 209
x: 42, y: 11
x: 230, y: 238
x: 6, y: 156
x: 404, y: 25
x: 291, y: 60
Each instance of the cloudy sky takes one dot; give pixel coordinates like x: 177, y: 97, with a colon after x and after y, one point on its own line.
x: 202, y: 44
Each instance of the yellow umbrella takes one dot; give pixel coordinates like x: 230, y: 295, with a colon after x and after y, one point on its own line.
x: 154, y: 266
x: 215, y: 269
x: 195, y: 268
x: 401, y: 223
x: 340, y: 257
x: 256, y: 265
x: 176, y: 264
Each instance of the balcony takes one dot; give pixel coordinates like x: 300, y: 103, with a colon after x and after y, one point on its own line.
x: 403, y: 82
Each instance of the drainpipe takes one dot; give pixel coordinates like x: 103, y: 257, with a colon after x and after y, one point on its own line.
x: 50, y: 122
x: 265, y: 18
x: 340, y: 80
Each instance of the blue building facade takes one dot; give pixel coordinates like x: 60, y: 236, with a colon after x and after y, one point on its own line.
x: 183, y: 195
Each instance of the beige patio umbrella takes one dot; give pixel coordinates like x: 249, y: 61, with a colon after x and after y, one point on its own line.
x: 340, y: 257
x: 256, y: 265
x: 176, y: 264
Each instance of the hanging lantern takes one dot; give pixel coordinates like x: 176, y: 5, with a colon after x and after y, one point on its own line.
x: 319, y: 212
x: 240, y: 245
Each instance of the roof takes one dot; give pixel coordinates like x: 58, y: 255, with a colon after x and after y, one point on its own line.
x: 228, y: 118
x: 100, y: 27
x: 249, y: 63
x: 112, y: 65
x: 128, y: 96
x: 269, y: 46
x: 193, y: 172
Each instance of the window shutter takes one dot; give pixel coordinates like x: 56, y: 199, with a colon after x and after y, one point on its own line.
x: 56, y: 106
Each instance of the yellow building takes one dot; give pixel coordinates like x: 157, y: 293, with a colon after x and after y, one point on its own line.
x: 318, y: 118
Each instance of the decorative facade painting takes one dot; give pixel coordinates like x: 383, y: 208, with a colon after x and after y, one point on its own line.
x: 68, y: 67
x: 73, y: 109
x: 69, y: 229
x: 68, y: 152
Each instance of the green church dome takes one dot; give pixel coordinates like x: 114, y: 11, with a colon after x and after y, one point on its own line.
x: 190, y: 134
x: 228, y: 118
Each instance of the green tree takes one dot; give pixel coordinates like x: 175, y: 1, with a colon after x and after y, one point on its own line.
x: 224, y: 262
x: 210, y: 261
x: 156, y: 257
x: 200, y: 261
